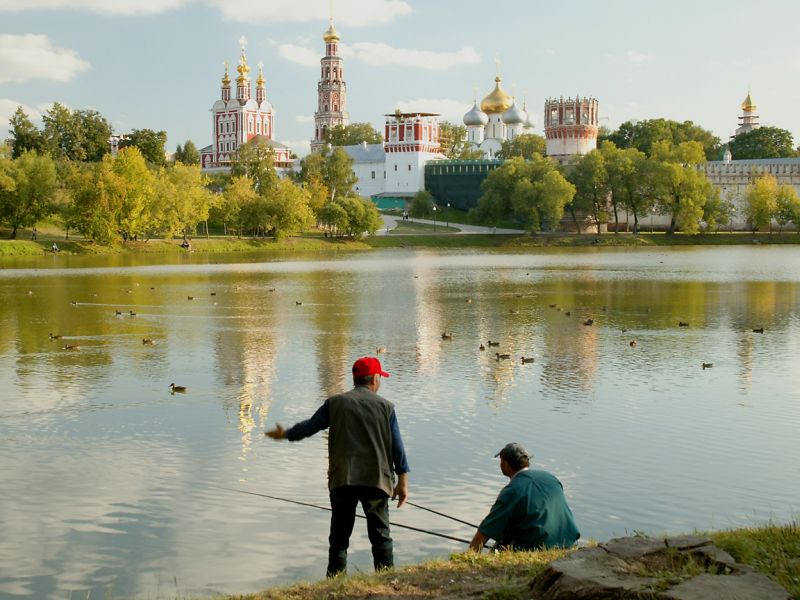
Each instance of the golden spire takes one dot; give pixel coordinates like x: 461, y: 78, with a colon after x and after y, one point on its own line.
x: 497, y: 101
x: 260, y: 80
x: 226, y: 79
x: 331, y: 35
x: 748, y: 105
x: 243, y: 69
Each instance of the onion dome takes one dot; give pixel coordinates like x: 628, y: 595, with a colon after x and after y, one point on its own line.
x: 514, y: 116
x: 243, y: 69
x: 331, y: 35
x: 528, y: 124
x: 475, y: 117
x: 748, y: 105
x: 226, y: 79
x: 260, y: 80
x: 497, y: 101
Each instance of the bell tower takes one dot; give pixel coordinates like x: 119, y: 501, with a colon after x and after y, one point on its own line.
x: 331, y: 90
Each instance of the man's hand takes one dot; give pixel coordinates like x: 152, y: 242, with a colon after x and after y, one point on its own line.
x: 478, y: 542
x: 278, y: 433
x: 401, y: 489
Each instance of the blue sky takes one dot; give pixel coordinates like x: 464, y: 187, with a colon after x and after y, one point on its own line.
x: 157, y: 63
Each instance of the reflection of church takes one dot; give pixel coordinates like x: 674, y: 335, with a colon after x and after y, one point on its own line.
x: 240, y: 119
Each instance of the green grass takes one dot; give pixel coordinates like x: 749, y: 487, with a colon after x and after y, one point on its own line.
x: 772, y: 549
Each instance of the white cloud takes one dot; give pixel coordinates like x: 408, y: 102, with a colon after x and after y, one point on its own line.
x: 382, y: 55
x: 353, y: 13
x: 31, y: 56
x: 114, y: 7
x: 304, y: 119
x: 300, y: 147
x: 450, y: 110
x: 638, y: 58
x: 300, y: 55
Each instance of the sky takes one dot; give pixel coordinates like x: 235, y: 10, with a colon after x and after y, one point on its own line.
x: 157, y: 64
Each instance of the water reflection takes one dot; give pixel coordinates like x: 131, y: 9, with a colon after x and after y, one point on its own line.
x: 115, y: 478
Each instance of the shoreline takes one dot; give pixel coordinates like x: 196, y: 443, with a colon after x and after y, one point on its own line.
x: 315, y: 243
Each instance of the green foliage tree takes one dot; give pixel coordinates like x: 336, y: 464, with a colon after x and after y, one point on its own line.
x: 286, y: 210
x: 24, y: 134
x: 590, y: 178
x: 188, y: 154
x: 333, y: 168
x: 534, y: 191
x: 151, y: 144
x: 421, y: 205
x: 788, y: 207
x: 682, y: 190
x: 135, y: 187
x: 453, y: 142
x: 623, y: 169
x: 183, y: 199
x: 352, y: 134
x: 29, y: 199
x: 94, y: 201
x: 352, y: 216
x: 256, y: 160
x: 232, y: 209
x: 764, y: 142
x: 643, y: 134
x: 95, y: 132
x: 62, y: 134
x: 525, y: 145
x: 761, y: 202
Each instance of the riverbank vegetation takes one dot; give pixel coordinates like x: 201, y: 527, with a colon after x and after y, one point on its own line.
x: 771, y: 549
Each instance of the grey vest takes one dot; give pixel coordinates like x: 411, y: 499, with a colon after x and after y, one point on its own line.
x: 360, y: 440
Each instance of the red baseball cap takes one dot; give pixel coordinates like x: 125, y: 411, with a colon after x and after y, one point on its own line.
x: 368, y: 365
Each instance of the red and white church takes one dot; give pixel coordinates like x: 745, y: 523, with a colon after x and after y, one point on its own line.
x: 240, y: 119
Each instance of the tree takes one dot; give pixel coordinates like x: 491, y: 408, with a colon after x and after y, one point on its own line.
x: 256, y: 160
x: 150, y: 144
x: 184, y: 199
x: 352, y: 134
x: 63, y: 137
x: 524, y: 145
x: 453, y: 142
x: 643, y: 134
x: 232, y: 209
x: 764, y: 142
x: 134, y: 186
x: 590, y: 178
x: 24, y: 134
x: 188, y: 155
x: 533, y: 191
x: 761, y: 202
x: 95, y: 133
x: 622, y: 168
x: 421, y: 205
x: 333, y: 168
x: 681, y: 188
x: 352, y: 216
x: 286, y: 210
x: 30, y: 198
x: 94, y: 201
x: 788, y: 207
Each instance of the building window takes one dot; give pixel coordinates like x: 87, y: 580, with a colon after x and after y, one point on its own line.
x: 373, y: 174
x: 395, y: 167
x: 409, y: 167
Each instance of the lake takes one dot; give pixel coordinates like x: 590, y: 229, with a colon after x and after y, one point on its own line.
x: 112, y: 486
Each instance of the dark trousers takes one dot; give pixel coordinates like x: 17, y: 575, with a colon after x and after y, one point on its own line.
x: 375, y: 503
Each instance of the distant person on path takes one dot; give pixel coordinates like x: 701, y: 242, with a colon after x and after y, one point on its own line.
x: 364, y: 451
x: 54, y: 248
x: 531, y: 512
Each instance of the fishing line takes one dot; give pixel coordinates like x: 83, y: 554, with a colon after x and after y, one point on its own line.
x: 436, y: 512
x: 326, y: 508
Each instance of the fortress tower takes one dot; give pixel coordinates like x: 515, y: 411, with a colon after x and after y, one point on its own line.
x: 570, y: 126
x: 331, y: 90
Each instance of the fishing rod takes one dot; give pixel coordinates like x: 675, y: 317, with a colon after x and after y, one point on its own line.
x: 436, y: 512
x: 326, y: 508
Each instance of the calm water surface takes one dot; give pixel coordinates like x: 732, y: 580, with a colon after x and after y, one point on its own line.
x: 110, y: 484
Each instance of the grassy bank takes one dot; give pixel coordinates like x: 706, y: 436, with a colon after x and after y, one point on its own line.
x: 771, y: 549
x: 420, y: 237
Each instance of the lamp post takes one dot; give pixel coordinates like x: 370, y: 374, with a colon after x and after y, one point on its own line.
x: 448, y: 215
x: 730, y: 225
x: 652, y: 212
x: 434, y: 218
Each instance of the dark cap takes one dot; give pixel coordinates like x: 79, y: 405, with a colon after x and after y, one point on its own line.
x: 368, y: 365
x: 513, y: 452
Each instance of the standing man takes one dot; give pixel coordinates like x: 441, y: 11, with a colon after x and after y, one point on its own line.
x: 364, y: 451
x: 531, y: 512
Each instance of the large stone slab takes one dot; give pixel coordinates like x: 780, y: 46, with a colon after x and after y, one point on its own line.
x: 649, y: 568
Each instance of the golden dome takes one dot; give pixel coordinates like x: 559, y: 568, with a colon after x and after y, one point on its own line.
x: 748, y: 105
x: 226, y: 79
x: 243, y: 69
x: 331, y: 35
x: 497, y: 101
x: 260, y: 80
